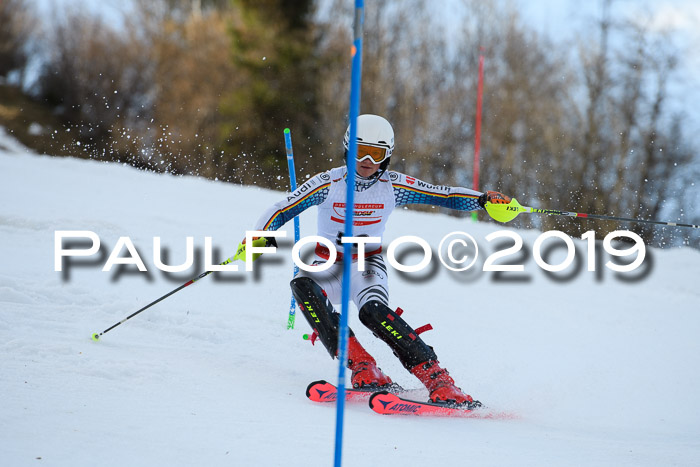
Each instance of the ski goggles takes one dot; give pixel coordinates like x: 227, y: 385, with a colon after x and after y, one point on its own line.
x: 375, y: 153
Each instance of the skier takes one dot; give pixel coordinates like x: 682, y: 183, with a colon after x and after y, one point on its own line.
x: 377, y: 192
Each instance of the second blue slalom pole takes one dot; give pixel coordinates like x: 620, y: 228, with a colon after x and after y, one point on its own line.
x: 293, y: 183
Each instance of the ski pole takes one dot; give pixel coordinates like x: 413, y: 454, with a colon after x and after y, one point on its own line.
x: 96, y: 336
x: 508, y: 212
x: 240, y: 254
x: 293, y: 183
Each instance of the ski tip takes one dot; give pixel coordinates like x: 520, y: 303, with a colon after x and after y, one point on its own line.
x: 320, y: 382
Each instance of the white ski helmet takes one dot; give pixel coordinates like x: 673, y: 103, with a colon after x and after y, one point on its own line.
x: 374, y: 134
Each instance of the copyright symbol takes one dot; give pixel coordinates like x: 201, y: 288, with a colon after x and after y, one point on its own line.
x: 462, y: 244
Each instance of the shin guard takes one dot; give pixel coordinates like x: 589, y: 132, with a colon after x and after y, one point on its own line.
x: 318, y: 311
x: 392, y: 329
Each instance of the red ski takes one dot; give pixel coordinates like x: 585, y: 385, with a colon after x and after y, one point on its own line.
x: 386, y: 403
x: 323, y: 391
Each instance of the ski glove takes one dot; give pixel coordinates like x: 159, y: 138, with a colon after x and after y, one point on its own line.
x: 493, y: 197
x: 272, y: 241
x: 258, y: 242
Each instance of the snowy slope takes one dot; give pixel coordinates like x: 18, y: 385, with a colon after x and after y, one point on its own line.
x: 601, y: 372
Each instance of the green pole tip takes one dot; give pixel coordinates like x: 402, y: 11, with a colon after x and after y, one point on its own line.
x: 95, y: 337
x: 305, y: 337
x: 286, y: 131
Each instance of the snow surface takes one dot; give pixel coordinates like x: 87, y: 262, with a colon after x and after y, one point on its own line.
x: 601, y: 371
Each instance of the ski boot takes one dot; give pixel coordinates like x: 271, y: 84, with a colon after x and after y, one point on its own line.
x: 441, y: 385
x: 365, y: 373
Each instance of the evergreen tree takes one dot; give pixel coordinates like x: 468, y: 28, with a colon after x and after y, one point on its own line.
x: 272, y: 42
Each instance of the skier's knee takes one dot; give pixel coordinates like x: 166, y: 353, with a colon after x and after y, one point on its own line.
x: 305, y: 288
x: 301, y: 283
x: 371, y: 312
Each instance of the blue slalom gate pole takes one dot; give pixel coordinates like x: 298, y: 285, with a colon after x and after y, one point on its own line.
x: 293, y: 182
x: 356, y: 79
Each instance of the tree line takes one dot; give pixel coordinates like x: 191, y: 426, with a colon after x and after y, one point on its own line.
x: 206, y: 87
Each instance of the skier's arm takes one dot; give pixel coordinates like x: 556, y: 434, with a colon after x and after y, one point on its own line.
x: 409, y: 190
x: 311, y: 193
